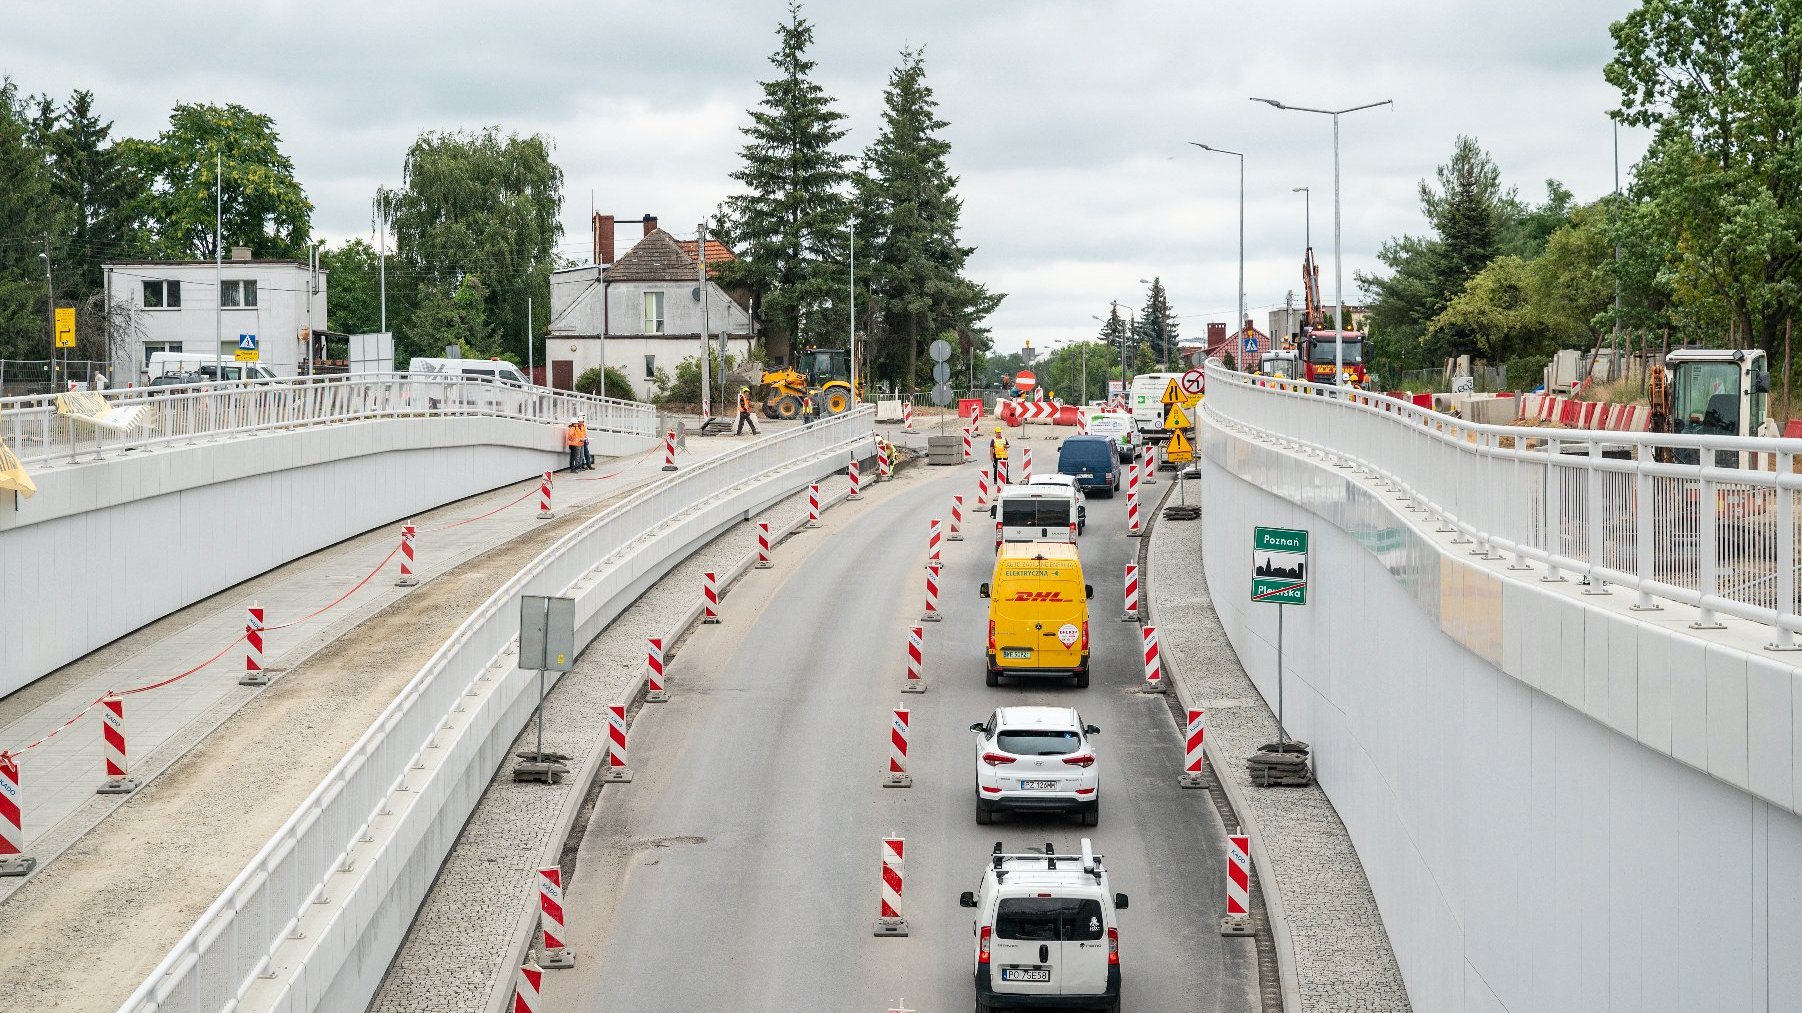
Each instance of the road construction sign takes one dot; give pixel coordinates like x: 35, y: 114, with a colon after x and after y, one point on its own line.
x: 1174, y: 419
x: 247, y: 348
x: 1179, y: 450
x: 65, y: 327
x: 1172, y: 393
x: 1279, y: 566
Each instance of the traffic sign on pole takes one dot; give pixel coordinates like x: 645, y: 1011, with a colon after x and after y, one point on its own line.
x: 1279, y: 566
x: 1194, y: 382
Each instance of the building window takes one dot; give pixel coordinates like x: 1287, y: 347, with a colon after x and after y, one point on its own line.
x: 650, y: 367
x: 160, y: 295
x: 653, y: 312
x: 153, y: 347
x: 237, y: 294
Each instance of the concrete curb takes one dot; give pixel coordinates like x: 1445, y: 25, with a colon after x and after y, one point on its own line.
x: 1278, y: 916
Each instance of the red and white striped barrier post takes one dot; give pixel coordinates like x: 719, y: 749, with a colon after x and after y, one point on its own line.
x: 907, y: 416
x: 1154, y: 667
x: 932, y: 595
x: 669, y: 451
x: 969, y: 445
x: 982, y: 489
x: 616, y: 745
x: 975, y: 415
x: 1132, y: 510
x: 1000, y: 475
x: 1025, y: 465
x: 1151, y: 465
x: 763, y: 545
x: 898, y: 777
x: 813, y: 505
x: 13, y: 860
x: 653, y: 672
x: 856, y: 483
x: 1194, y: 756
x: 1131, y: 613
x: 710, y: 598
x: 112, y: 733
x: 254, y: 675
x: 407, y: 533
x: 1238, y: 887
x: 555, y: 951
x: 933, y: 543
x: 957, y: 519
x: 916, y: 650
x: 883, y: 471
x: 888, y: 918
x: 544, y: 498
x: 1082, y: 424
x: 527, y: 986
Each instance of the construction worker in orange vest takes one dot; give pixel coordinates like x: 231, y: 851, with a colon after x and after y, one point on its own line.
x: 572, y: 438
x: 744, y: 412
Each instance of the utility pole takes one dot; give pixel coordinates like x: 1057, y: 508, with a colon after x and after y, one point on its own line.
x: 851, y: 229
x: 50, y: 294
x: 381, y: 245
x: 706, y: 339
x: 530, y: 362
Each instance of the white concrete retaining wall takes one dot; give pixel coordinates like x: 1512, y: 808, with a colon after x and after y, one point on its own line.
x: 106, y: 547
x: 1561, y: 805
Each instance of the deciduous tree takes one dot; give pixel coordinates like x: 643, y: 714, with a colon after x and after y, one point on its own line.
x: 264, y: 206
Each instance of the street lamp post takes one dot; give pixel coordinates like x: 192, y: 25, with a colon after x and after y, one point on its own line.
x: 1307, y: 234
x: 851, y: 233
x: 1241, y: 158
x: 1338, y: 270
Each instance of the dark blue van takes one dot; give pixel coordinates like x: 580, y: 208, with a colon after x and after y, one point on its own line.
x: 1090, y: 460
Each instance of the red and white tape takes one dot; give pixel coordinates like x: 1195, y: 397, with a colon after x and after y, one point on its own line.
x: 898, y: 776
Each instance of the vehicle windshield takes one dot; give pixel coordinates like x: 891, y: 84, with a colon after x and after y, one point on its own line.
x: 1320, y: 351
x: 821, y: 365
x: 1035, y: 513
x: 1705, y: 398
x: 1048, y: 919
x: 1038, y: 742
x: 1284, y: 367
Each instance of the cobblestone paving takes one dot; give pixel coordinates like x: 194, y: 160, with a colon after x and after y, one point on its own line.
x: 1343, y: 961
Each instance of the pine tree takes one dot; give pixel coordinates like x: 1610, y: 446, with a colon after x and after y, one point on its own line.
x: 1157, y: 325
x: 789, y: 226
x: 24, y: 220
x: 96, y: 193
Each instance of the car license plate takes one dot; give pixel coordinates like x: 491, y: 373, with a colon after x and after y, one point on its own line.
x: 1038, y: 784
x: 1017, y: 653
x: 1026, y: 974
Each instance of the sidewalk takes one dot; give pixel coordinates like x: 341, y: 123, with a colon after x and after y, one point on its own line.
x: 61, y: 766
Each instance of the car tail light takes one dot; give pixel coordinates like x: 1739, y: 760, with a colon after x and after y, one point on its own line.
x: 991, y: 636
x: 1084, y: 791
x: 1080, y: 759
x: 997, y: 791
x: 996, y: 759
x: 1113, y: 947
x: 982, y: 948
x: 1085, y: 635
x: 1073, y: 531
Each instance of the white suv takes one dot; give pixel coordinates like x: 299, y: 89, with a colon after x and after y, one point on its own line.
x: 1037, y: 759
x: 1047, y: 932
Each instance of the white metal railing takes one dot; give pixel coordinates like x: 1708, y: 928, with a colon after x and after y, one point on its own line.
x: 1706, y: 521
x: 232, y: 942
x: 215, y: 411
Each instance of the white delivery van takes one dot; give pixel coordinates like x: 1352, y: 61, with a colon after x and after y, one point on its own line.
x: 1046, y: 933
x: 181, y: 363
x: 499, y: 369
x: 1036, y: 513
x: 1117, y: 426
x: 1145, y: 399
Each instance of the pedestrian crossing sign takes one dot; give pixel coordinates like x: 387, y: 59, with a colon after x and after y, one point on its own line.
x: 247, y: 348
x: 1179, y: 450
x: 1175, y: 419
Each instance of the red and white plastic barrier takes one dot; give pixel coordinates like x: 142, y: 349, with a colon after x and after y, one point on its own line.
x: 1132, y: 508
x: 407, y: 533
x: 1026, y: 465
x: 933, y: 543
x: 916, y: 650
x: 653, y: 672
x: 969, y: 445
x: 669, y: 450
x: 982, y: 490
x: 1000, y: 475
x: 112, y: 746
x: 1131, y: 612
x: 710, y: 598
x: 544, y: 498
x: 556, y: 952
x: 856, y: 482
x: 907, y: 416
x: 898, y: 777
x: 12, y: 820
x: 253, y: 648
x: 957, y: 519
x: 1151, y: 465
x: 617, y: 770
x: 888, y: 917
x: 1154, y: 667
x: 1194, y: 755
x: 813, y: 505
x: 528, y: 986
x: 882, y: 462
x: 975, y: 414
x: 1238, y: 886
x: 763, y: 545
x: 932, y: 595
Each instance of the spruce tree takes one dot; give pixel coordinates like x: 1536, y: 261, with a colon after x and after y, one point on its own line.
x: 24, y: 220
x: 788, y: 227
x: 1157, y: 325
x: 96, y: 193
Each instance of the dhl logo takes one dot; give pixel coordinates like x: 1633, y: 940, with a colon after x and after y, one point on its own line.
x: 1039, y: 596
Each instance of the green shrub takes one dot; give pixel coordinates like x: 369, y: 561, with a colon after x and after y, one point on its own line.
x: 617, y: 384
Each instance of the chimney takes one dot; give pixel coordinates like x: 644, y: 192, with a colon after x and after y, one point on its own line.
x: 603, y: 239
x: 240, y: 253
x: 650, y: 224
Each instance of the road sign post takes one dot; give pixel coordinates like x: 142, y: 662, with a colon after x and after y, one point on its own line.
x: 1279, y: 575
x: 547, y: 642
x: 247, y: 349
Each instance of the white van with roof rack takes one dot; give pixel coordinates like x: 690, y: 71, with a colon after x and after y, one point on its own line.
x: 1047, y: 932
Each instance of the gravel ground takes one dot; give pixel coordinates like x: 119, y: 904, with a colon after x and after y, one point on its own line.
x: 464, y: 930
x: 1343, y: 960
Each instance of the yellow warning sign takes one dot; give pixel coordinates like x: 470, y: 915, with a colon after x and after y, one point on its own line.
x: 1173, y: 394
x: 1179, y: 450
x: 1175, y: 419
x: 65, y: 327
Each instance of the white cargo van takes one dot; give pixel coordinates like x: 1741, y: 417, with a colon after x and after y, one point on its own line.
x: 499, y: 369
x: 1145, y: 399
x: 1036, y: 513
x: 180, y: 363
x: 1046, y: 933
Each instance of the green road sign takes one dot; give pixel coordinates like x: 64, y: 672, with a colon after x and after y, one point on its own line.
x: 1279, y: 566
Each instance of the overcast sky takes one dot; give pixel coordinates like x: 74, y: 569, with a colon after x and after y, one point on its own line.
x: 1068, y: 117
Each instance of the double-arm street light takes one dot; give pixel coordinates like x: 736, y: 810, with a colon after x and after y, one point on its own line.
x: 1338, y: 271
x: 1241, y: 158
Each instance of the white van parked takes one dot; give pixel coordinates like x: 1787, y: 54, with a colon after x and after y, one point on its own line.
x: 1047, y: 932
x: 181, y: 363
x: 1145, y: 399
x: 499, y: 369
x: 1036, y: 513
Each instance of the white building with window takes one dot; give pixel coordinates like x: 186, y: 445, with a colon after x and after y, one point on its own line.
x: 171, y: 306
x: 642, y: 313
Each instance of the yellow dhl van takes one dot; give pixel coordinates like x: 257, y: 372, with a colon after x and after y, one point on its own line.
x: 1038, y: 613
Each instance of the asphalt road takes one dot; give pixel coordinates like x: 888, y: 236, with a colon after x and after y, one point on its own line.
x: 739, y: 871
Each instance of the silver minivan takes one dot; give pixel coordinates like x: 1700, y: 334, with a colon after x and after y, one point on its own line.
x: 1046, y: 933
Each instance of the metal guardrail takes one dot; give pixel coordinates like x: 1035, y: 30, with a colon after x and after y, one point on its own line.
x: 214, y: 411
x: 232, y: 942
x: 1705, y: 521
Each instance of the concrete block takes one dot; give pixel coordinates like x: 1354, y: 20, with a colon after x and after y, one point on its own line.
x: 1622, y: 660
x: 1596, y: 674
x: 1653, y: 694
x: 1689, y: 701
x: 1770, y: 703
x: 1725, y: 669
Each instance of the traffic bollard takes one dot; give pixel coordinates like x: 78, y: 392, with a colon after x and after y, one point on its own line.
x: 1026, y: 465
x: 527, y: 987
x: 763, y: 545
x: 883, y: 471
x: 1154, y: 668
x: 555, y: 952
x: 669, y: 451
x: 616, y: 745
x: 898, y: 777
x: 112, y: 731
x: 969, y: 445
x: 13, y: 860
x: 1194, y: 757
x: 856, y: 485
x: 544, y: 498
x: 888, y: 918
x: 813, y: 505
x: 254, y: 675
x: 1238, y: 887
x: 710, y: 598
x: 957, y: 519
x: 1131, y: 613
x: 1151, y: 465
x: 982, y: 489
x: 932, y: 544
x: 407, y: 533
x: 653, y: 672
x: 1132, y: 510
x: 932, y: 596
x: 907, y: 416
x: 916, y: 644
